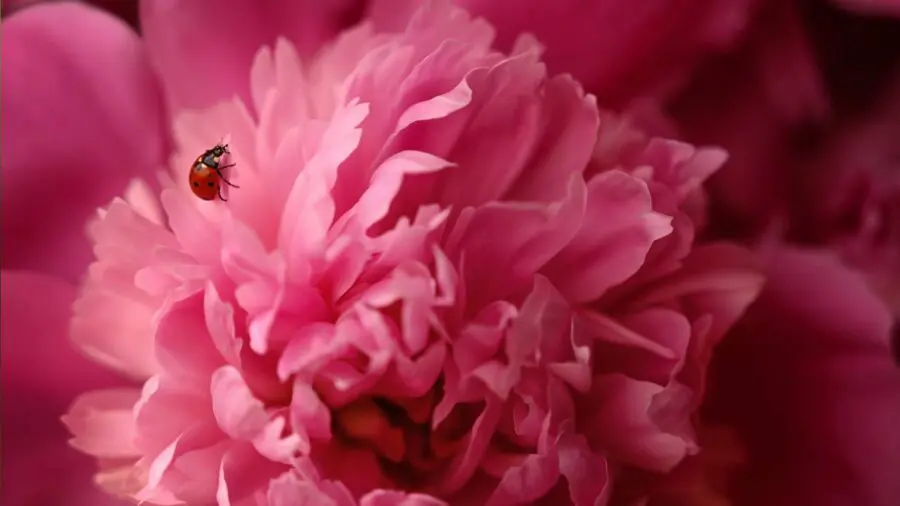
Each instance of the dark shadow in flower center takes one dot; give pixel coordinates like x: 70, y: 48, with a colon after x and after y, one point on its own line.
x: 399, y: 432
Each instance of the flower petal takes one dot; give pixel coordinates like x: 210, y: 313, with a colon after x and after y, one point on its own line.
x: 808, y: 380
x: 103, y: 423
x: 64, y: 154
x: 613, y: 241
x: 204, y: 48
x: 40, y: 372
x: 625, y: 425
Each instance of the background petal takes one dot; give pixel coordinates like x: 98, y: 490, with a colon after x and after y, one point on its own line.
x: 617, y: 50
x: 41, y: 373
x: 204, y: 48
x: 82, y: 115
x: 808, y: 380
x: 872, y: 7
x: 124, y: 9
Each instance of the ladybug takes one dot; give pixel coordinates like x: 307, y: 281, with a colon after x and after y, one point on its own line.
x: 206, y: 175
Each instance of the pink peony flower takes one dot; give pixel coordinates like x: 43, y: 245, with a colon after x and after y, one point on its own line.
x: 443, y: 278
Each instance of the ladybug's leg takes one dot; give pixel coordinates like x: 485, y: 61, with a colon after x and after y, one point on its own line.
x: 222, y: 176
x: 221, y: 197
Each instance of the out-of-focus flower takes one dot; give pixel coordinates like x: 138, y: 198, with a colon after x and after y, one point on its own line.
x: 848, y: 196
x: 807, y: 380
x: 434, y: 283
x: 761, y: 95
x: 41, y: 375
x: 800, y: 172
x: 126, y: 10
x: 64, y: 154
x: 802, y: 389
x: 880, y: 7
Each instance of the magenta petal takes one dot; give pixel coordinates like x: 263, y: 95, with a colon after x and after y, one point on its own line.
x: 66, y: 153
x: 394, y: 498
x: 807, y: 377
x: 204, y: 48
x: 622, y: 414
x: 614, y: 239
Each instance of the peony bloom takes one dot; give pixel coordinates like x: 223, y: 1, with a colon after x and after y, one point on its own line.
x: 443, y: 278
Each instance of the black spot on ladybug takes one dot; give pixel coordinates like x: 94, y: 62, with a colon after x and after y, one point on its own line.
x: 210, y: 184
x: 196, y: 183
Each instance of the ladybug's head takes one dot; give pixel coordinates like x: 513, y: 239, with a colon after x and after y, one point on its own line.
x: 220, y: 149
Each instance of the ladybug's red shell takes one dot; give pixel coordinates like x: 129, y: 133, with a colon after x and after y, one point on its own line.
x: 205, y: 177
x: 204, y: 181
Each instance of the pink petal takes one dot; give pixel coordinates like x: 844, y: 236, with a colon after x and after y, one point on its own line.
x: 587, y: 473
x: 526, y: 482
x: 223, y: 37
x: 291, y: 490
x: 64, y: 154
x: 614, y: 239
x: 184, y: 347
x: 393, y: 498
x: 374, y: 203
x: 310, y: 207
x: 114, y: 330
x: 168, y: 410
x: 619, y: 414
x: 102, y: 422
x: 238, y: 413
x: 808, y: 379
x: 242, y: 473
x: 524, y: 236
x: 308, y: 413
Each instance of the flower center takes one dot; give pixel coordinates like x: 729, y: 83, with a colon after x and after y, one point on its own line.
x: 402, y: 434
